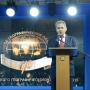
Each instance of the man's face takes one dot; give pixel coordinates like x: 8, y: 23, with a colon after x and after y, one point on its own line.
x: 61, y: 29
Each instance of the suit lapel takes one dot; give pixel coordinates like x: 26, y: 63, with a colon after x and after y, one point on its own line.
x: 57, y: 43
x: 66, y: 41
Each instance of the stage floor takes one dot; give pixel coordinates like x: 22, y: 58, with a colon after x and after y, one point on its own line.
x: 31, y: 88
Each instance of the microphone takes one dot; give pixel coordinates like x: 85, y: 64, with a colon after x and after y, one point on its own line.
x: 59, y: 40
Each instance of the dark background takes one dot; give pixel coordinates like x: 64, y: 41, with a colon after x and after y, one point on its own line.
x: 45, y: 27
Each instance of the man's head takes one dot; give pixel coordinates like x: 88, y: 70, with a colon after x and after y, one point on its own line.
x: 61, y: 27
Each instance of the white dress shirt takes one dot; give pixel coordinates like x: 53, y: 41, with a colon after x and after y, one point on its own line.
x: 63, y: 39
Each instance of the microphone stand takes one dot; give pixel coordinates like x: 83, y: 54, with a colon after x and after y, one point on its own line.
x: 84, y: 55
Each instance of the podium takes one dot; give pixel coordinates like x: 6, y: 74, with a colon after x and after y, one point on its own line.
x: 62, y: 65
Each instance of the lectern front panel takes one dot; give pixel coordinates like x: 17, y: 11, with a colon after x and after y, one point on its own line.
x: 62, y: 72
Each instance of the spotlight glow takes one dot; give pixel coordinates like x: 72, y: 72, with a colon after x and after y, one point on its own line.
x: 10, y: 12
x: 34, y: 11
x: 72, y: 11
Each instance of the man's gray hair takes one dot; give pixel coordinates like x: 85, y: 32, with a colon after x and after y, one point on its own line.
x: 60, y: 22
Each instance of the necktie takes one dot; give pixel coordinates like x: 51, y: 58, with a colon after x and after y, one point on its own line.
x: 61, y: 42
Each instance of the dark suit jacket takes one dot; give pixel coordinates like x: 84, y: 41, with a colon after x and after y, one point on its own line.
x: 69, y: 42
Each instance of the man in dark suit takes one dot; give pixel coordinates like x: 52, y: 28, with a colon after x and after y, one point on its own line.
x: 67, y: 41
